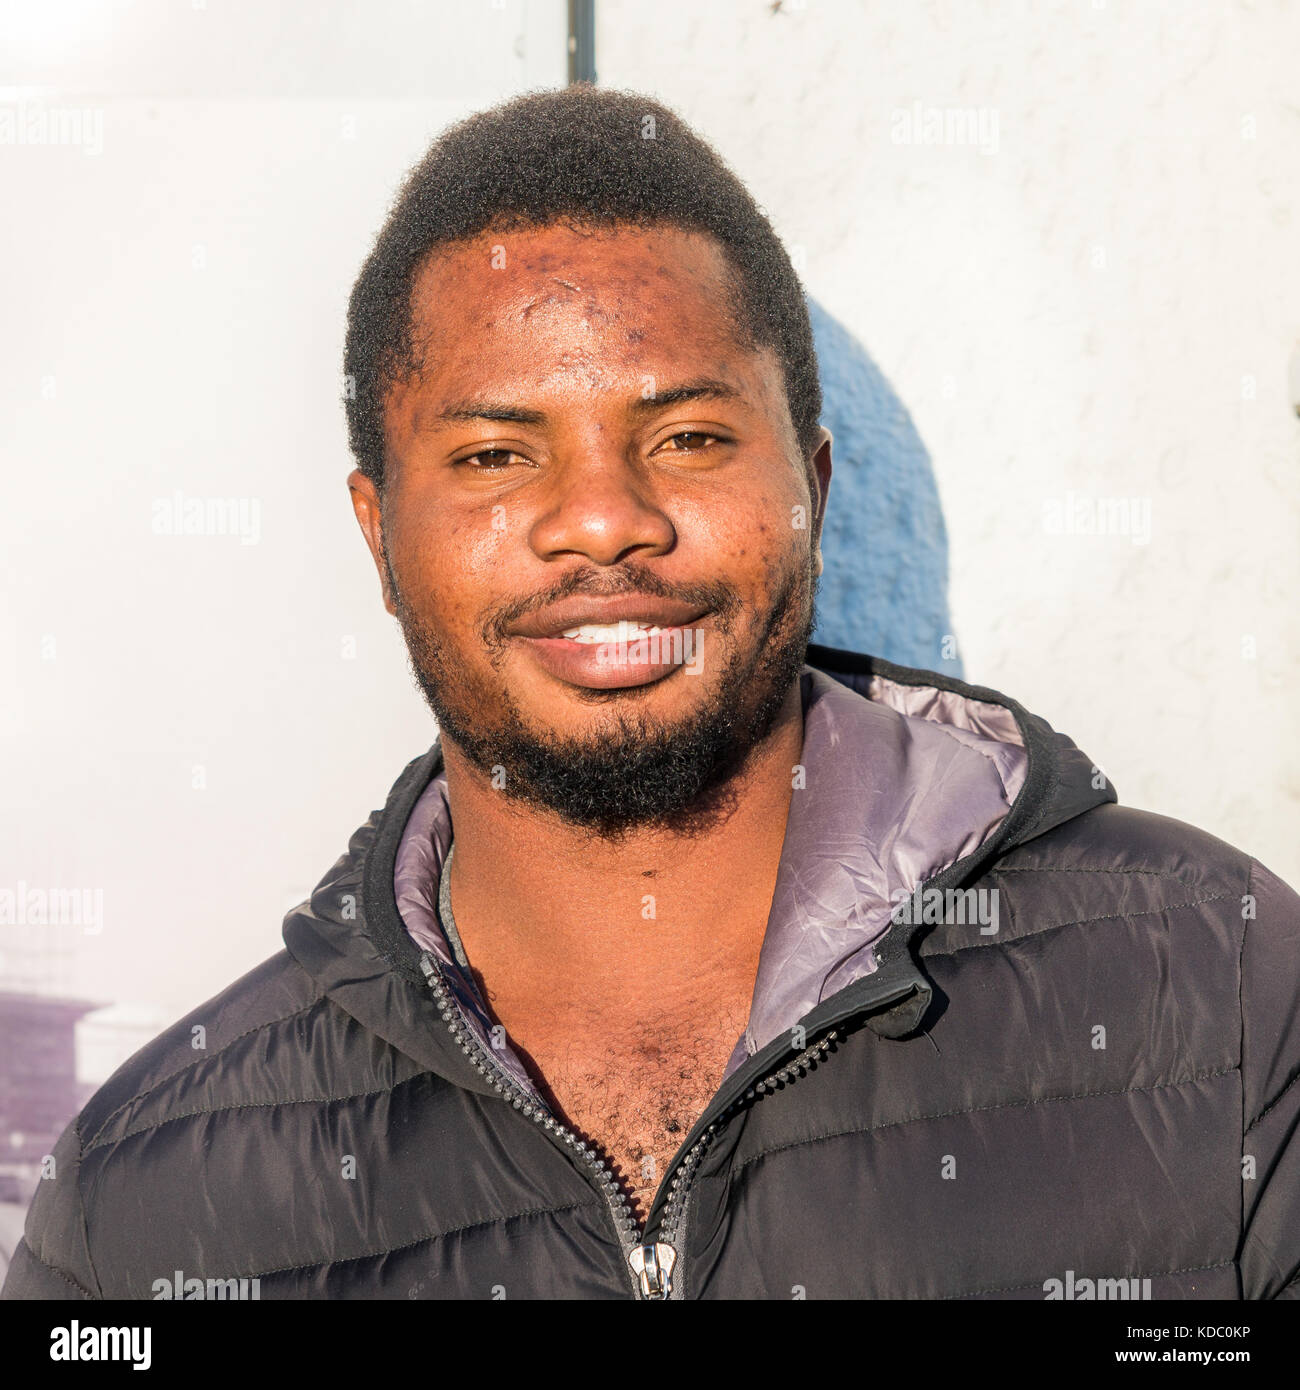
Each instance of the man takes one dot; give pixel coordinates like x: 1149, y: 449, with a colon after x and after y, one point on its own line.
x: 691, y: 961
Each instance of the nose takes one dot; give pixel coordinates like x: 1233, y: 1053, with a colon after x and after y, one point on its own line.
x: 603, y: 508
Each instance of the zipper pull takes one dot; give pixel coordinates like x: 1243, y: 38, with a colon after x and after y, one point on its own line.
x: 653, y: 1265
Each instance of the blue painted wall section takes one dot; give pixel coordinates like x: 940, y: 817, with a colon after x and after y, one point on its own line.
x: 885, y: 586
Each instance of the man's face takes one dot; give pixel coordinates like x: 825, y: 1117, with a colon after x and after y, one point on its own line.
x: 589, y: 443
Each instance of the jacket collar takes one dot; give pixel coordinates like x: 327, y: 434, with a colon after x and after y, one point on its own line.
x: 911, y: 780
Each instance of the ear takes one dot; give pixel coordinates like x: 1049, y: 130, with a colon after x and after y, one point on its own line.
x: 821, y: 468
x: 366, y: 504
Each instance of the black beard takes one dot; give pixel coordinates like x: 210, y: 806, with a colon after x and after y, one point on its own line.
x: 642, y: 773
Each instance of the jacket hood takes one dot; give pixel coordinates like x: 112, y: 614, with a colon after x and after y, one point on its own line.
x: 912, y: 782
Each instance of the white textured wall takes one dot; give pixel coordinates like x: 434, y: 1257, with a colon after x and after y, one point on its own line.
x: 1101, y: 302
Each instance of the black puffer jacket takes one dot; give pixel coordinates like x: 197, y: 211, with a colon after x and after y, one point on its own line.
x: 1104, y: 1088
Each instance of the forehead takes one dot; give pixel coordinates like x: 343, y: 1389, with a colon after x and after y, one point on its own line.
x: 533, y: 302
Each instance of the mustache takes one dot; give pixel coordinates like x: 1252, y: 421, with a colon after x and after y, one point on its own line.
x: 718, y: 598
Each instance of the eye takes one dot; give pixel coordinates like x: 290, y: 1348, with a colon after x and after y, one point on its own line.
x: 690, y: 441
x: 493, y: 460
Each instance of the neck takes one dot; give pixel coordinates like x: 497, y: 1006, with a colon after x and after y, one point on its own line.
x: 538, y: 900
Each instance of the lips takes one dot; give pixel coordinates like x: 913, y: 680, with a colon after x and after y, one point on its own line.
x: 576, y: 612
x: 614, y: 643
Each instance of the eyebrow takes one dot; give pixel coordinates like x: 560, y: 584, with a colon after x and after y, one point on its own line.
x: 704, y: 388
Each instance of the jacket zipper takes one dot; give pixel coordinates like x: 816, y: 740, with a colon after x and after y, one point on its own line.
x: 531, y: 1107
x: 653, y: 1264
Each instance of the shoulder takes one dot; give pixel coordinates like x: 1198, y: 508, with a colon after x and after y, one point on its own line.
x: 1145, y: 894
x: 1139, y: 892
x: 205, y: 1058
x: 184, y: 1066
x: 268, y: 1045
x: 1114, y: 863
x: 272, y: 1038
x: 1121, y: 868
x: 1114, y: 841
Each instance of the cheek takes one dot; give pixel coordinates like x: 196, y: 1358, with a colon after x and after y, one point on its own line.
x: 753, y: 539
x: 449, y: 567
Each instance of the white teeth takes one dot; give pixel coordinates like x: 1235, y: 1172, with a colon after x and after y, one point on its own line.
x: 622, y: 631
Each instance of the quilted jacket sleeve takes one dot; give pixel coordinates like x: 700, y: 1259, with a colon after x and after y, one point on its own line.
x: 52, y: 1260
x: 1269, y: 1256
